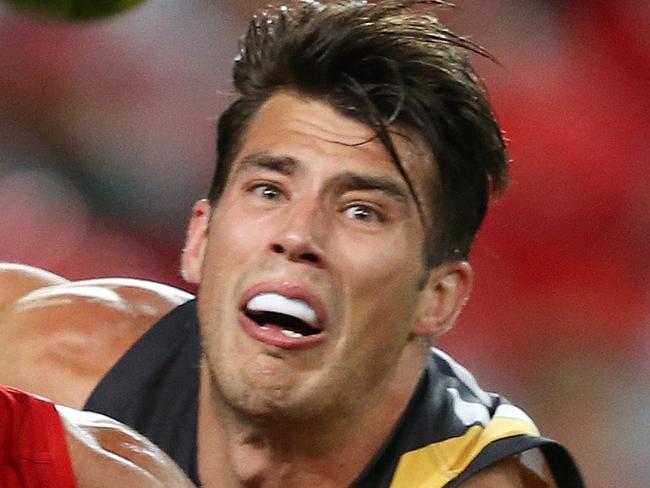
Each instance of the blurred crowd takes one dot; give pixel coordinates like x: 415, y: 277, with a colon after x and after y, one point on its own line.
x: 107, y: 137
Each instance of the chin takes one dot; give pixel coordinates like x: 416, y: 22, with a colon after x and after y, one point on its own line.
x: 268, y: 407
x: 251, y: 393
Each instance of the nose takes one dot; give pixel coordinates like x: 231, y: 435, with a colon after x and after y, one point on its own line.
x: 300, y: 234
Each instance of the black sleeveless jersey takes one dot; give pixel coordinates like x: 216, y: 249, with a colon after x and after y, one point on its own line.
x: 451, y: 428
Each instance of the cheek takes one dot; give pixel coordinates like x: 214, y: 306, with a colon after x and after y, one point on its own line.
x: 382, y: 279
x: 393, y: 258
x: 231, y: 236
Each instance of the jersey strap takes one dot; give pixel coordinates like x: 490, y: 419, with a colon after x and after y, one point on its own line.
x: 452, y: 429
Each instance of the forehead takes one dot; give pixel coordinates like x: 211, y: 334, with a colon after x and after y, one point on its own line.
x: 310, y: 129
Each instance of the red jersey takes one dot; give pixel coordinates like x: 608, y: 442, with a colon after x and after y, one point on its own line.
x: 33, y: 448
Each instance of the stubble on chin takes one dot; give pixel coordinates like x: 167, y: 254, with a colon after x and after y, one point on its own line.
x: 271, y: 402
x: 234, y: 390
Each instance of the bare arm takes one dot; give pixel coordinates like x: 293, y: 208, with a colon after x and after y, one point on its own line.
x: 59, y: 339
x: 17, y: 280
x: 106, y: 454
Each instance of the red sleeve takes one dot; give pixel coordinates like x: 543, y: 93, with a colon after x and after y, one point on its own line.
x: 33, y: 447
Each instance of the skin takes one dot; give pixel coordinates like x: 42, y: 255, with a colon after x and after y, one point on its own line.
x: 105, y: 454
x: 275, y: 416
x: 509, y: 473
x: 75, y: 331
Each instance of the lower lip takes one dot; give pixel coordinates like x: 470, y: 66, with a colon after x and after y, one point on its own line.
x: 273, y: 336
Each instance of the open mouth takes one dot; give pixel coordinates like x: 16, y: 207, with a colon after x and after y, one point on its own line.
x: 280, y: 320
x: 289, y: 326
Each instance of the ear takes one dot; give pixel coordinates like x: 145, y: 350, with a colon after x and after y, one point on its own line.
x: 443, y: 297
x: 195, y: 242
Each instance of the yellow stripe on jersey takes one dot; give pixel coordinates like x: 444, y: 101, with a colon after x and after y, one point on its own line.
x: 436, y: 464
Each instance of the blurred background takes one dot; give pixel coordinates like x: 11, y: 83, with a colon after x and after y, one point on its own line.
x: 107, y: 137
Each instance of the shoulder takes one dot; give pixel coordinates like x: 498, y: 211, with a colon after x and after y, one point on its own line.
x: 24, y: 287
x: 58, y: 337
x: 105, y: 453
x: 486, y: 437
x: 17, y: 280
x: 468, y: 406
x: 509, y: 473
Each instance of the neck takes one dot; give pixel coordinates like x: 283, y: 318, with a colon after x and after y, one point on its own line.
x: 237, y: 452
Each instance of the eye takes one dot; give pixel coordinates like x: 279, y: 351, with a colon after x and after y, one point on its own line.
x: 267, y: 191
x: 364, y: 213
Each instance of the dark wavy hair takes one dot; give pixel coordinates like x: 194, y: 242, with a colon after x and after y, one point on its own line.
x: 385, y: 63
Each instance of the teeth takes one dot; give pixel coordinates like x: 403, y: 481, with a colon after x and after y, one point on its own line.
x: 274, y: 302
x: 292, y: 334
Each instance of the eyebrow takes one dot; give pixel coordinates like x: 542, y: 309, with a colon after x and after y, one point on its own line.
x: 349, y: 181
x: 285, y: 165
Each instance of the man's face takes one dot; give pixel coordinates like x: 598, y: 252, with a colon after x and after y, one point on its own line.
x: 312, y: 263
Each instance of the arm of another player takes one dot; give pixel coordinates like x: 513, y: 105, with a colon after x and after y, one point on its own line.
x: 58, y: 338
x: 105, y: 454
